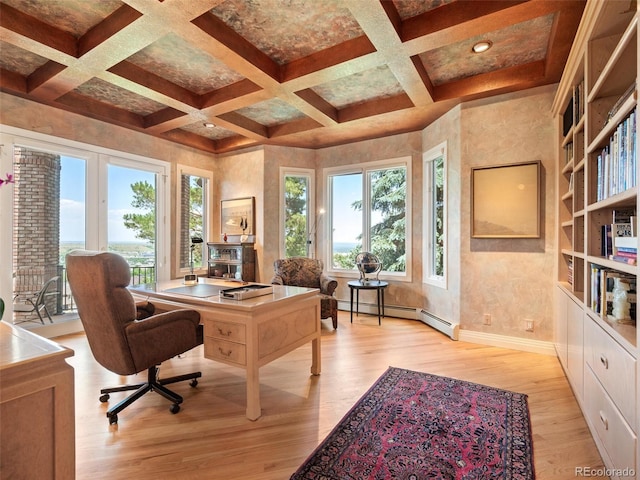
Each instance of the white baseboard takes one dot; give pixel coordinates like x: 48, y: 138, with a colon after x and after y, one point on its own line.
x: 504, y: 341
x: 372, y: 309
x: 481, y: 338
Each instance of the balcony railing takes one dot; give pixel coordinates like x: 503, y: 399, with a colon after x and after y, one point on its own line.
x: 139, y: 275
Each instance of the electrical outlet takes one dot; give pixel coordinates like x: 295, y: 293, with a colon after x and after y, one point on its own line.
x: 487, y: 319
x: 528, y: 325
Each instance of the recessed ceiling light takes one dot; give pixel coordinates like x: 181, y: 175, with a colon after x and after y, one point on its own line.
x: 482, y: 46
x: 209, y: 125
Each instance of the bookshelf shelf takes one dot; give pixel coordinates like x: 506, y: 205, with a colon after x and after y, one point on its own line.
x: 596, y: 110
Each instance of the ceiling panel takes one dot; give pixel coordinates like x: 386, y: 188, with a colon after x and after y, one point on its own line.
x: 305, y: 73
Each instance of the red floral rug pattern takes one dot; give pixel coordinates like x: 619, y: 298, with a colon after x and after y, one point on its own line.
x: 413, y: 426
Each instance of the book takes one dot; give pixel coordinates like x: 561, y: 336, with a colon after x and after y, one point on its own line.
x: 623, y: 253
x: 623, y: 215
x: 624, y: 242
x: 621, y: 259
x: 606, y: 247
x: 622, y: 229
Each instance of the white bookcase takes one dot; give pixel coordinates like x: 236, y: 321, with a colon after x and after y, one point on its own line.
x: 596, y: 113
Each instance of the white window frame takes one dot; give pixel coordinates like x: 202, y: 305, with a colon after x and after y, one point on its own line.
x: 428, y: 262
x: 312, y: 226
x: 364, y: 168
x: 98, y: 159
x: 207, y: 211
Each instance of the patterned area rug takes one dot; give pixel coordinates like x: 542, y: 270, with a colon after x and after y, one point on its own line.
x: 413, y: 425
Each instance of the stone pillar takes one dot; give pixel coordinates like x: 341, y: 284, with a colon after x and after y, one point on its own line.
x: 36, y: 233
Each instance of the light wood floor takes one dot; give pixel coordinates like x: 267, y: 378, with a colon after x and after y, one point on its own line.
x: 210, y: 438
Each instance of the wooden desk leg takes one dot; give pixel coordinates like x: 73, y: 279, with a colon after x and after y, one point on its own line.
x: 253, y: 393
x: 315, y: 357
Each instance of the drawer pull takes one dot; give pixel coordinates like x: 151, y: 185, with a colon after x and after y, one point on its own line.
x: 604, y: 421
x: 223, y: 333
x: 227, y: 353
x: 604, y: 361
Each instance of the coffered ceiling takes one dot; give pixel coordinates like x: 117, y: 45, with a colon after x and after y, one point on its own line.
x: 306, y: 73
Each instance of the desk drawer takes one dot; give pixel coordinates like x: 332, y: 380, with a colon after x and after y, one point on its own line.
x: 614, y: 367
x: 233, y: 332
x: 617, y: 438
x: 216, y: 349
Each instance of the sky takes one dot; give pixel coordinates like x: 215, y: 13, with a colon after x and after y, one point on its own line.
x: 347, y: 189
x: 73, y: 195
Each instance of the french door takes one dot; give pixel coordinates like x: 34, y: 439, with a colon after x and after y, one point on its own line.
x: 92, y: 199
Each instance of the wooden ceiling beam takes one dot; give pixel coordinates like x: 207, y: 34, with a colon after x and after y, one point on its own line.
x: 491, y: 82
x: 37, y: 30
x: 106, y: 29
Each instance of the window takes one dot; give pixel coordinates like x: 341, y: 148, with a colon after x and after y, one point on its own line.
x: 193, y: 214
x: 435, y: 215
x: 298, y: 235
x: 368, y: 212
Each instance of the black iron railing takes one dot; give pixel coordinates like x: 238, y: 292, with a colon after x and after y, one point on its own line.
x: 66, y: 303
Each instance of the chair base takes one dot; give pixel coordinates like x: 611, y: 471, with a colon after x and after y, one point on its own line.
x: 153, y: 384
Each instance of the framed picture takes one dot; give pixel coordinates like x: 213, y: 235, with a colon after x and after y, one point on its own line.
x: 237, y: 216
x: 505, y: 201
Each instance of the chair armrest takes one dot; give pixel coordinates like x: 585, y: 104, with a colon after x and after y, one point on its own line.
x: 277, y: 280
x: 184, y: 317
x: 144, y: 309
x: 328, y: 284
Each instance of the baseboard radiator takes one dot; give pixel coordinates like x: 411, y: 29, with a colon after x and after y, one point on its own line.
x: 448, y: 328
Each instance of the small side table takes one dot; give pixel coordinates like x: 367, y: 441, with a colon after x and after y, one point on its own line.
x: 377, y: 285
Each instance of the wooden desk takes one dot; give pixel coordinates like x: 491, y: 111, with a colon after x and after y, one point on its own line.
x: 37, y: 438
x: 245, y: 333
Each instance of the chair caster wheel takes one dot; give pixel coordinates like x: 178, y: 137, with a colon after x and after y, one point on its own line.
x: 104, y: 398
x: 193, y: 383
x: 113, y: 419
x: 175, y: 408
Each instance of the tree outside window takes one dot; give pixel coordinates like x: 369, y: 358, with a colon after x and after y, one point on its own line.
x: 369, y: 214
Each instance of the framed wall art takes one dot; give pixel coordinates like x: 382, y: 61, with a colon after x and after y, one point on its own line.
x: 237, y: 216
x: 505, y: 201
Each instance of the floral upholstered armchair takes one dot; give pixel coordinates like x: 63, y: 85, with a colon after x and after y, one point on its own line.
x: 308, y: 272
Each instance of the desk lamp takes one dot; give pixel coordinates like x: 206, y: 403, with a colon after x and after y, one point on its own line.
x: 192, y: 278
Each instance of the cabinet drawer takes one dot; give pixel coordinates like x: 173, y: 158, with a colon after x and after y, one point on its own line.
x: 216, y: 349
x: 233, y: 332
x: 615, y: 369
x: 617, y: 438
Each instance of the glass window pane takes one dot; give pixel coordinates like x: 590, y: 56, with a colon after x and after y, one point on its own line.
x: 193, y: 190
x: 131, y: 228
x: 297, y: 231
x: 72, y: 205
x: 346, y: 219
x: 387, y: 217
x: 438, y: 217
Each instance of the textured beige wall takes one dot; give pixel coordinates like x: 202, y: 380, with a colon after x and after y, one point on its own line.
x: 445, y: 302
x: 511, y: 279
